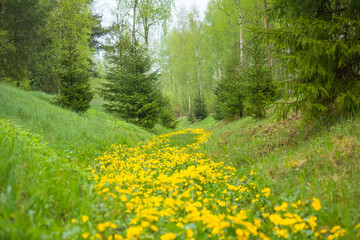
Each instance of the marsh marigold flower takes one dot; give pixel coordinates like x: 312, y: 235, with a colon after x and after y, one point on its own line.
x: 266, y: 192
x: 85, y: 235
x: 168, y: 236
x: 316, y: 204
x: 85, y: 218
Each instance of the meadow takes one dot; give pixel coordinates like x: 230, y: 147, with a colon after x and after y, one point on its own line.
x: 93, y: 176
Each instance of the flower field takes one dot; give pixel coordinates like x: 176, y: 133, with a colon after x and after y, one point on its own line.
x: 167, y: 189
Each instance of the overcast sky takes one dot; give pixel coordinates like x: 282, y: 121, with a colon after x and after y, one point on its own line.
x: 104, y: 7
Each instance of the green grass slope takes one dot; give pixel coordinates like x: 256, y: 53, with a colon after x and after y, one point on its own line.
x: 297, y: 162
x: 44, y: 154
x: 80, y: 135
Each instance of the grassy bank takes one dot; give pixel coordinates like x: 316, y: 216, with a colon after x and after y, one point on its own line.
x: 296, y: 161
x: 44, y: 154
x: 80, y: 135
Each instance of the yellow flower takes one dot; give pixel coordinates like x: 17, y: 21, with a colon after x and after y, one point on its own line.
x: 85, y: 235
x: 242, y: 234
x: 189, y: 233
x: 145, y: 224
x: 73, y: 220
x: 312, y: 222
x: 316, y: 204
x: 266, y: 192
x: 98, y: 236
x: 282, y: 207
x: 257, y: 222
x: 101, y: 227
x: 263, y: 236
x: 118, y: 237
x: 281, y: 233
x: 180, y: 225
x: 154, y: 228
x: 134, y: 231
x: 168, y: 236
x: 85, y: 218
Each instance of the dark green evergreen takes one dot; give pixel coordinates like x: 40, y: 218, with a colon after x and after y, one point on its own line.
x: 260, y: 89
x: 75, y: 22
x: 230, y: 91
x: 74, y: 88
x: 200, y: 111
x: 319, y: 44
x: 166, y: 116
x: 22, y: 25
x: 132, y: 89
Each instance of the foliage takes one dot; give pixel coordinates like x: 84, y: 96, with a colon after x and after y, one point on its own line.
x: 260, y: 89
x: 75, y: 22
x: 64, y: 130
x: 200, y: 111
x: 184, y: 68
x: 166, y: 116
x: 131, y: 90
x: 230, y: 91
x: 21, y: 26
x: 207, y: 207
x: 50, y: 190
x: 319, y: 44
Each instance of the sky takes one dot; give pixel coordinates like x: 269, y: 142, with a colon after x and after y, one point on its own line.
x: 104, y: 8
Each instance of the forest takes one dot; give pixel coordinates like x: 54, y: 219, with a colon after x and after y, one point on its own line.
x: 239, y: 122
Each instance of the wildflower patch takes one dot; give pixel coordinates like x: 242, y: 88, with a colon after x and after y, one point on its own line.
x: 157, y: 190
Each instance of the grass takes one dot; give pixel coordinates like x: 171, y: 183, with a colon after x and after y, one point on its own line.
x: 39, y: 190
x: 45, y: 151
x: 297, y: 162
x: 83, y: 136
x: 44, y: 154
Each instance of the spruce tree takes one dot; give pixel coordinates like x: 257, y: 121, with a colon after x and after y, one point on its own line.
x: 200, y: 111
x: 21, y: 32
x: 319, y: 45
x: 230, y: 91
x: 260, y: 89
x: 75, y: 25
x: 131, y: 89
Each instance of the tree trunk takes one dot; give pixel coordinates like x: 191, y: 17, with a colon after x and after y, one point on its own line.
x: 134, y: 20
x: 241, y: 38
x: 70, y: 46
x: 60, y: 42
x: 217, y: 72
x: 146, y: 30
x: 16, y: 51
x: 189, y: 96
x: 120, y: 40
x: 241, y: 41
x: 266, y: 27
x: 0, y: 14
x: 199, y: 80
x: 189, y: 92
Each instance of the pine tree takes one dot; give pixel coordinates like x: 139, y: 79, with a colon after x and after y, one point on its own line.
x: 230, y: 91
x: 260, y: 89
x: 75, y: 25
x: 21, y: 25
x: 319, y: 44
x: 131, y: 90
x: 200, y: 111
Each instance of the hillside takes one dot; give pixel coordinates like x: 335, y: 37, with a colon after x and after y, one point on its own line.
x: 44, y: 151
x: 296, y: 161
x: 57, y: 182
x: 84, y: 135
